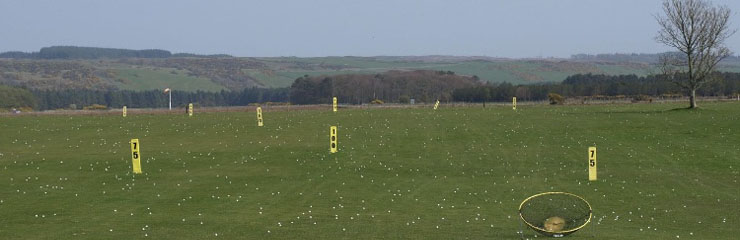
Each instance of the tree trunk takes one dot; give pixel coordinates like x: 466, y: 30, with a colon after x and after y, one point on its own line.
x: 693, y: 98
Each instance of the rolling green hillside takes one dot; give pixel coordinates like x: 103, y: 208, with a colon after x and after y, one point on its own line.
x: 215, y: 74
x: 146, y: 79
x: 513, y: 71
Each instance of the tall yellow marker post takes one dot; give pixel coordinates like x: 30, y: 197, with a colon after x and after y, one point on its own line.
x: 124, y: 111
x: 135, y: 157
x: 333, y: 139
x: 513, y: 103
x: 436, y: 105
x: 334, y: 104
x: 190, y: 109
x: 259, y: 117
x: 592, y: 163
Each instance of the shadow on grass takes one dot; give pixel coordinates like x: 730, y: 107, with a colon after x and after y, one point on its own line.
x: 692, y: 110
x: 656, y: 111
x: 685, y: 109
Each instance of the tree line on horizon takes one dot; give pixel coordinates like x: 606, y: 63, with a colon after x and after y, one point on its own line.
x: 429, y: 86
x: 74, y: 52
x: 80, y: 98
x: 597, y: 85
x: 391, y: 87
x: 78, y: 52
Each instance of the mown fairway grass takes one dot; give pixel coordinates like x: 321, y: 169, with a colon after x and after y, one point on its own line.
x: 400, y: 173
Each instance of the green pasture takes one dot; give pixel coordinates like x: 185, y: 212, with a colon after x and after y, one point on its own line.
x: 514, y: 71
x: 148, y: 79
x: 286, y: 78
x: 412, y: 173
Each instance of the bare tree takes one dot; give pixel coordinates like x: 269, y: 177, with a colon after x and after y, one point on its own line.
x: 697, y: 29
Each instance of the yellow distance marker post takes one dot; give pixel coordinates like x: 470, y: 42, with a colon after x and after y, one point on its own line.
x: 124, y: 111
x: 190, y: 109
x: 592, y: 163
x: 135, y: 157
x: 259, y: 117
x: 334, y: 104
x: 333, y: 139
x: 513, y: 103
x: 436, y: 105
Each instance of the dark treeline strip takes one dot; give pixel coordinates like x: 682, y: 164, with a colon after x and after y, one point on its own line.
x: 72, y: 98
x: 392, y: 86
x: 726, y: 84
x: 19, y: 55
x: 70, y: 52
x: 12, y: 97
x: 73, y: 52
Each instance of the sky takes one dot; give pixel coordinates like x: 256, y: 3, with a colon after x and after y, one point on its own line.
x: 315, y: 28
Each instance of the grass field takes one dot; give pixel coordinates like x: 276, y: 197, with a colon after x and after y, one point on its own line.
x: 286, y: 78
x: 512, y: 71
x: 148, y: 79
x: 399, y: 173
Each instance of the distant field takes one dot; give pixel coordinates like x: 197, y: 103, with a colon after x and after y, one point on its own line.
x: 273, y: 79
x: 399, y: 173
x: 281, y: 72
x: 215, y: 74
x: 147, y: 79
x: 511, y: 71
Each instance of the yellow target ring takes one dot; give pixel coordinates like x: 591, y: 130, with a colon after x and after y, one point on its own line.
x: 555, y: 214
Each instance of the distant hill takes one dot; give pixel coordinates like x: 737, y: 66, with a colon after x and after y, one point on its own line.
x: 635, y: 57
x: 73, y: 52
x: 106, y: 68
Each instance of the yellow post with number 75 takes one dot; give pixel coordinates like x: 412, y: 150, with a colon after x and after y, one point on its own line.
x: 592, y: 163
x: 135, y: 156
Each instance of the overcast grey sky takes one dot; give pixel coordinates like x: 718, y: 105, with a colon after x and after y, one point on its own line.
x: 309, y: 28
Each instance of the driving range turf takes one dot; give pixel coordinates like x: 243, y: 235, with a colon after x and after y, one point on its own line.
x: 453, y: 173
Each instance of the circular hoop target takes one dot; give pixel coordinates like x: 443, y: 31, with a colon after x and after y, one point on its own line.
x: 555, y: 214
